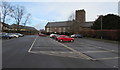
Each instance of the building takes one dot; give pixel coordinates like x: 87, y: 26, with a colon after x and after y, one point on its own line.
x: 13, y: 27
x: 59, y: 27
x: 22, y: 28
x: 86, y: 26
x: 4, y: 26
x: 74, y: 26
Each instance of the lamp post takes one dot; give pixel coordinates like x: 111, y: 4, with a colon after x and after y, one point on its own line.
x: 101, y: 25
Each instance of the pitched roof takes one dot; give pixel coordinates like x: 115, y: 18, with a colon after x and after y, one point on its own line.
x: 27, y: 27
x: 22, y: 27
x: 87, y: 24
x: 68, y: 23
x: 5, y: 25
x: 59, y: 24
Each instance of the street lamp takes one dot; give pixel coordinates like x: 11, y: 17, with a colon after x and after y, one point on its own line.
x: 101, y: 25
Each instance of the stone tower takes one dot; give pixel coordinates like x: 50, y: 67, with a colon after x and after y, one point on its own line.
x: 80, y: 16
x: 79, y: 19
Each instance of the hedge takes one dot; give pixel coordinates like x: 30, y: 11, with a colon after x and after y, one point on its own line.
x: 106, y: 34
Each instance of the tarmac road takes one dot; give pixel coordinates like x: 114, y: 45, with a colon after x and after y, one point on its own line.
x: 43, y: 52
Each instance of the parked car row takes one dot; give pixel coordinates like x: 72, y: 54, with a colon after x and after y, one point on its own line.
x: 76, y: 36
x: 43, y: 35
x: 10, y: 35
x: 62, y: 38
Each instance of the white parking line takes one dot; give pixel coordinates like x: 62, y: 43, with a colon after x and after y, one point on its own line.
x: 95, y: 51
x: 59, y: 53
x: 32, y: 44
x: 102, y: 48
x: 80, y: 53
x: 108, y: 58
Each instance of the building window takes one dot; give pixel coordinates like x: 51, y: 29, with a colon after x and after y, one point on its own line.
x: 48, y: 29
x: 60, y: 30
x: 68, y: 28
x: 64, y: 29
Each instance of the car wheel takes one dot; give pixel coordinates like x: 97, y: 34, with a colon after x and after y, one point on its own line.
x: 7, y: 38
x: 17, y: 36
x: 61, y: 40
x: 71, y: 40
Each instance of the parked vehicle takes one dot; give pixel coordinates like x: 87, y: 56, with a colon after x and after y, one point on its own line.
x: 76, y: 36
x: 5, y: 36
x: 56, y: 36
x: 42, y: 35
x: 62, y: 38
x: 20, y: 35
x: 13, y: 35
x: 52, y: 35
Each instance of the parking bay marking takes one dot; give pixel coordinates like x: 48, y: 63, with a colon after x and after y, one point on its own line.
x: 32, y: 44
x: 92, y: 45
x: 95, y: 51
x: 81, y: 54
x: 102, y: 48
x: 108, y: 58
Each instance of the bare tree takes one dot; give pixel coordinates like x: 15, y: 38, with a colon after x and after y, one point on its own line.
x: 0, y: 16
x: 71, y: 17
x: 6, y: 7
x: 17, y: 13
x: 27, y: 19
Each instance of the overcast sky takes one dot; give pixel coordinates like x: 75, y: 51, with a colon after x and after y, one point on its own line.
x: 43, y: 12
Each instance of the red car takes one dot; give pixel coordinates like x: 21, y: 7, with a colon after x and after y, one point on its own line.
x: 62, y: 38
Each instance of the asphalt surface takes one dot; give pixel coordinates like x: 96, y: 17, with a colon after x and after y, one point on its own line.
x: 44, y: 52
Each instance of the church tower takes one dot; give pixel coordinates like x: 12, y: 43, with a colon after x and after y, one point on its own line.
x: 80, y: 16
x: 79, y: 19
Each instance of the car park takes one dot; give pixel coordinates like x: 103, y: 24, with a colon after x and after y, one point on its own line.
x: 76, y: 36
x: 62, y: 38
